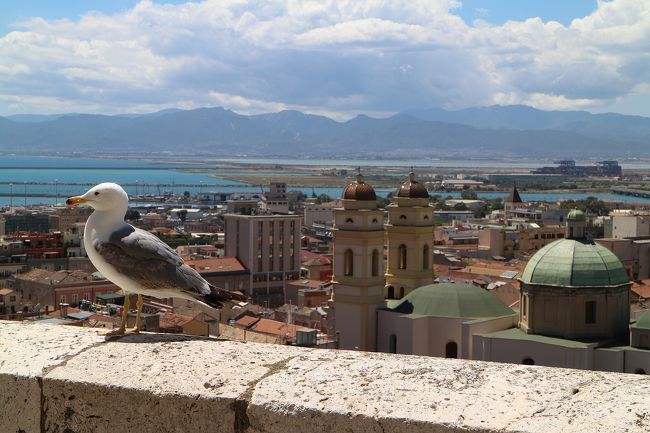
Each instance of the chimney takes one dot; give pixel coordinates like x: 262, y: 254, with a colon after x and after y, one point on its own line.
x: 64, y: 309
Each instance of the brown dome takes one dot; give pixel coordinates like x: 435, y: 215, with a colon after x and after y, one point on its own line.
x: 412, y: 189
x: 359, y: 190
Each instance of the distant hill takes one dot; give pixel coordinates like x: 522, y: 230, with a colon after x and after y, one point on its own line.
x: 524, y: 118
x: 476, y: 132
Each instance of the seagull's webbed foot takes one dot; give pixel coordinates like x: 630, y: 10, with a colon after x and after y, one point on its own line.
x: 125, y: 314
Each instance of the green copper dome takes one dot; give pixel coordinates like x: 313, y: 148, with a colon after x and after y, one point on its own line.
x: 575, y: 263
x: 576, y: 215
x: 452, y: 300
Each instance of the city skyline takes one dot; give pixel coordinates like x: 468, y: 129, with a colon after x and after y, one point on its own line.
x: 332, y: 58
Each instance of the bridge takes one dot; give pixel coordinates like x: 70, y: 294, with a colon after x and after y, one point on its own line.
x: 631, y: 192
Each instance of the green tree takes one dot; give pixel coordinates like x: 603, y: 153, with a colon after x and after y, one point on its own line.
x: 323, y: 198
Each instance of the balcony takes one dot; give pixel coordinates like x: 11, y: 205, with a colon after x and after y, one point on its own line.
x: 69, y: 379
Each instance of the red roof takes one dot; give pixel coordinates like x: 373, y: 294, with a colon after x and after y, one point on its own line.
x: 308, y: 256
x: 312, y: 284
x: 215, y: 264
x: 247, y: 321
x: 642, y: 288
x: 172, y: 320
x: 268, y: 326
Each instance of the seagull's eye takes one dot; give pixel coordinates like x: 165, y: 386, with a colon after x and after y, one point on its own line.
x: 96, y: 192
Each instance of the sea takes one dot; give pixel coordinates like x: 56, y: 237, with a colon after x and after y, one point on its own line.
x: 50, y: 180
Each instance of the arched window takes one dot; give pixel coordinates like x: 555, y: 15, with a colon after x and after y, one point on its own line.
x: 375, y: 263
x: 425, y: 257
x: 402, y: 217
x: 402, y: 257
x: 528, y: 361
x: 392, y: 343
x: 401, y: 292
x: 391, y: 292
x: 451, y: 350
x: 374, y: 220
x: 348, y: 263
x: 349, y: 220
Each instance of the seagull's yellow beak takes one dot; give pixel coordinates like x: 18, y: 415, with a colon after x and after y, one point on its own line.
x: 73, y: 201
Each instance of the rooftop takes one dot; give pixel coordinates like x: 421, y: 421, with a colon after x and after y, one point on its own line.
x: 518, y: 334
x: 575, y: 263
x: 215, y: 264
x: 452, y: 300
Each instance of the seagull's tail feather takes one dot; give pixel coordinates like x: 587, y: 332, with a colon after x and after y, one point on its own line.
x: 218, y: 296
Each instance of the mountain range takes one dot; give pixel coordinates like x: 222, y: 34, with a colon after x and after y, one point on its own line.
x: 486, y: 132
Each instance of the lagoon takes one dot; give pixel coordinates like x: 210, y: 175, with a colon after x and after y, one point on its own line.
x: 144, y: 174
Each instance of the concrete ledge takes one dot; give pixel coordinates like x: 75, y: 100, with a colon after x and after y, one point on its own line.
x: 68, y: 379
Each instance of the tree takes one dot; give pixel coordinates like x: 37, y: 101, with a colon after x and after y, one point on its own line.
x: 323, y: 198
x: 590, y: 205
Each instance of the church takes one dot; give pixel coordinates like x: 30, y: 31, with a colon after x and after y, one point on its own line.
x: 574, y: 297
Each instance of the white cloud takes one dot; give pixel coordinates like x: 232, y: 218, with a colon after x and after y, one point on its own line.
x: 321, y: 56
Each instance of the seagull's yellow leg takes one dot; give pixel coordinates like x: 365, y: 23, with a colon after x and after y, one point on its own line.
x: 125, y: 316
x: 138, y: 311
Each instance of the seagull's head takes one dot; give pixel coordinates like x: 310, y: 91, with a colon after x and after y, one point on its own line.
x: 103, y: 197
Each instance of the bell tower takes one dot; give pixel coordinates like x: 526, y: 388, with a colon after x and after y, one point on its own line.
x: 410, y: 240
x: 358, y: 276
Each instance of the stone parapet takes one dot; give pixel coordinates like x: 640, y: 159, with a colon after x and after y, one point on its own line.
x: 69, y: 379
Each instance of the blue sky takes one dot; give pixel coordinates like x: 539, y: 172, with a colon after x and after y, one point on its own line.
x: 500, y: 11
x: 326, y: 57
x: 493, y: 11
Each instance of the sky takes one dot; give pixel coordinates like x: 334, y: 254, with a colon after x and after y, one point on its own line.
x: 338, y: 58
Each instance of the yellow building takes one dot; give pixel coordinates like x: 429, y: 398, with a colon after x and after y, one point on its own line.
x: 358, y: 274
x: 409, y: 234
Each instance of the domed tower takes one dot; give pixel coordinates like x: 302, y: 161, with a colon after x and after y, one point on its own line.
x: 574, y: 288
x: 410, y: 240
x: 358, y: 274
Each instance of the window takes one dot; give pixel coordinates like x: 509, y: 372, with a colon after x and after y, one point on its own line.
x: 62, y: 300
x: 451, y: 350
x: 524, y: 306
x: 391, y: 292
x: 402, y: 256
x: 643, y: 341
x: 402, y: 217
x: 86, y: 296
x: 425, y: 258
x: 348, y: 263
x: 75, y: 298
x: 392, y: 343
x: 375, y: 263
x: 401, y: 292
x: 349, y: 220
x: 590, y: 312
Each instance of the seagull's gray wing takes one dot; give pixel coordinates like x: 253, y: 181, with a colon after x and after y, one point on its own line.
x: 150, y: 262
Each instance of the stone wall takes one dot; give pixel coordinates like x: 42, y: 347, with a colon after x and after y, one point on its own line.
x: 70, y: 380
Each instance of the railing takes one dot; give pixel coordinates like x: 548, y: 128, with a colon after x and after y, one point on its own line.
x: 70, y: 379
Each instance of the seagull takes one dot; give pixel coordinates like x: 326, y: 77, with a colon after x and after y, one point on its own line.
x: 137, y: 261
